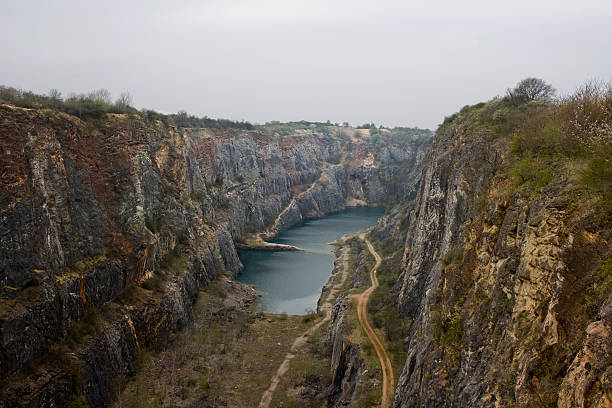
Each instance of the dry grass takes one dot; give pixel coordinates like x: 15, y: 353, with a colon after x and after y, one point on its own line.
x: 308, y: 376
x: 226, y: 359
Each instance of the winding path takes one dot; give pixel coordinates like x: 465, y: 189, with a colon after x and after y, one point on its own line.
x: 362, y: 312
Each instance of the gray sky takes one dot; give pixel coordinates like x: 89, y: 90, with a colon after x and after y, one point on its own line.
x: 390, y: 62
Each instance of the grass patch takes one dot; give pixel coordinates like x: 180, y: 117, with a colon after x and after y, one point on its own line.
x: 310, y: 316
x: 335, y: 159
x: 156, y: 282
x: 453, y: 256
x: 87, y: 327
x: 131, y: 294
x: 142, y: 358
x: 600, y: 289
x: 309, y: 374
x: 30, y: 294
x: 174, y: 261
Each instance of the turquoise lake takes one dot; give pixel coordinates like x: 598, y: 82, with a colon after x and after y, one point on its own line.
x: 291, y: 282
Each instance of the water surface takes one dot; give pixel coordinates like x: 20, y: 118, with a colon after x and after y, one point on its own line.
x: 291, y: 282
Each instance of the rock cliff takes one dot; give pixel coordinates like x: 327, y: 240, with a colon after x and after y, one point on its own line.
x: 498, y: 282
x: 500, y: 270
x: 110, y: 227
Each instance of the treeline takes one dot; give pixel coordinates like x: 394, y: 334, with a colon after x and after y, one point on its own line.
x: 288, y: 128
x: 185, y: 120
x: 380, y: 134
x: 97, y: 104
x: 381, y: 137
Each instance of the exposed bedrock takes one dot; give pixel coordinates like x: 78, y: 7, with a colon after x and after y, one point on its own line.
x: 494, y: 283
x: 109, y: 229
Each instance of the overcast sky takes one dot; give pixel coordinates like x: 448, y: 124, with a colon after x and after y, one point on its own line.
x: 404, y: 62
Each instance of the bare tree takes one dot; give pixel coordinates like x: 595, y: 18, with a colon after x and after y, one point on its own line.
x: 530, y: 89
x: 100, y: 95
x: 124, y: 100
x: 55, y: 94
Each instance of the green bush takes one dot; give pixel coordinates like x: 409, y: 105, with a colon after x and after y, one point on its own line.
x: 453, y: 255
x: 598, y: 173
x: 174, y: 261
x: 452, y: 329
x: 335, y: 159
x: 532, y: 172
x: 87, y: 327
x: 367, y: 347
x: 309, y: 316
x: 184, y: 393
x: 142, y: 356
x: 601, y: 287
x: 578, y: 127
x: 538, y: 134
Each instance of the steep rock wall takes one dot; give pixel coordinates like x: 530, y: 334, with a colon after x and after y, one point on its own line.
x: 493, y: 284
x: 128, y: 220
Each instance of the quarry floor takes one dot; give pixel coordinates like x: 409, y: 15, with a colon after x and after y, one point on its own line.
x: 233, y: 356
x: 227, y: 357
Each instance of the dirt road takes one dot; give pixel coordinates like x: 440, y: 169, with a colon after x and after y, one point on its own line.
x: 362, y: 312
x: 362, y: 302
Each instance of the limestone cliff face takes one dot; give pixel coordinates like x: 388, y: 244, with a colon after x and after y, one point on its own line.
x: 109, y: 229
x: 89, y: 212
x: 494, y: 284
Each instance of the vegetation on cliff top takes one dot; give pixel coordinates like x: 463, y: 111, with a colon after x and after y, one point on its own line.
x: 96, y: 104
x: 549, y: 137
x: 556, y: 153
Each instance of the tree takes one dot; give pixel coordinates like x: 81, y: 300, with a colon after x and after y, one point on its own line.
x: 124, y: 100
x: 55, y: 94
x: 100, y: 95
x: 530, y: 89
x: 123, y: 103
